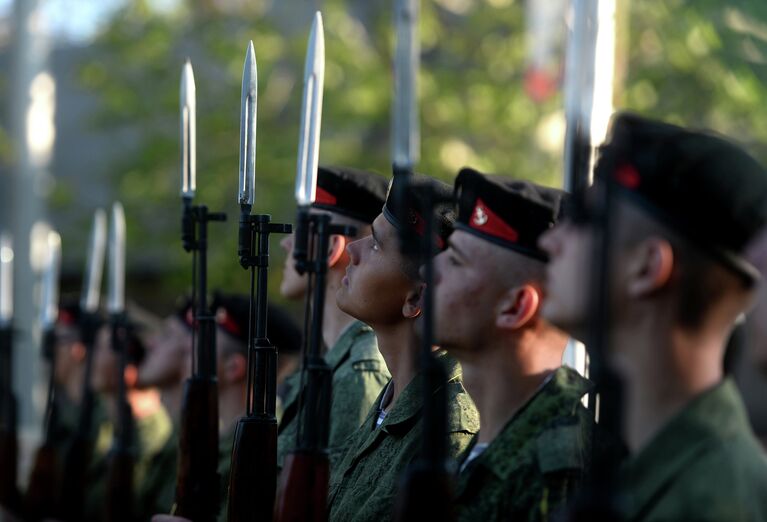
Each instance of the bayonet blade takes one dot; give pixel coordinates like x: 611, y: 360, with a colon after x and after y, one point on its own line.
x: 91, y: 292
x: 188, y: 132
x: 50, y: 298
x: 6, y: 279
x: 311, y: 115
x: 248, y: 105
x: 406, y: 140
x: 116, y: 290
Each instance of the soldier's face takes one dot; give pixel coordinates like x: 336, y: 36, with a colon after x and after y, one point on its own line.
x: 67, y: 341
x: 465, y: 293
x: 293, y: 285
x: 376, y: 287
x: 167, y: 361
x: 757, y: 318
x: 567, y: 277
x: 104, y: 376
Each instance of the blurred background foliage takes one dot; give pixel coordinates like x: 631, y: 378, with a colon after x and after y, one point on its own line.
x: 700, y: 63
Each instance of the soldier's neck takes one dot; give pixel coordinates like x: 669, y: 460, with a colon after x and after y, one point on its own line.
x: 398, y: 346
x: 500, y: 384
x: 171, y: 398
x: 662, y: 370
x: 334, y: 321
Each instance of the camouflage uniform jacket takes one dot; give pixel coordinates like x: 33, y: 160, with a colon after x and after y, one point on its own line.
x: 704, y: 465
x: 364, y: 484
x: 359, y: 374
x: 536, y: 461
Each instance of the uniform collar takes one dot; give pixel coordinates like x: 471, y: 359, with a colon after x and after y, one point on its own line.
x: 711, y: 417
x: 406, y: 410
x: 559, y: 397
x: 342, y: 348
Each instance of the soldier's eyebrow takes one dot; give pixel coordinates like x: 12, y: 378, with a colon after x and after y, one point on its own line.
x: 375, y: 236
x: 457, y: 250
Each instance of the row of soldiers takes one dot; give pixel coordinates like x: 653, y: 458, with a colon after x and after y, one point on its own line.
x: 515, y: 279
x: 679, y: 216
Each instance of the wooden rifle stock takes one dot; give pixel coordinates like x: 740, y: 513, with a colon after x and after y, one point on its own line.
x: 78, y: 455
x: 303, y: 488
x: 198, y: 482
x: 9, y: 445
x: 252, y: 479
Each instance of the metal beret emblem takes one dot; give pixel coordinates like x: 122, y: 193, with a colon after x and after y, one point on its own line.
x: 480, y: 217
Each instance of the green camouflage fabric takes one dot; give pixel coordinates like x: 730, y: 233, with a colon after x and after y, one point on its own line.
x: 536, y: 462
x: 359, y: 375
x: 225, y: 443
x: 704, y: 465
x: 157, y: 490
x: 152, y: 433
x: 364, y: 484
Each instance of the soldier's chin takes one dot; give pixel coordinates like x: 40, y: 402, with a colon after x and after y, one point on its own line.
x: 571, y: 324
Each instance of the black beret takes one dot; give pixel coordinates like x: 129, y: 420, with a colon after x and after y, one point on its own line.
x: 700, y: 184
x: 231, y: 314
x: 69, y: 312
x: 507, y: 212
x: 355, y: 193
x: 415, y: 198
x: 231, y: 311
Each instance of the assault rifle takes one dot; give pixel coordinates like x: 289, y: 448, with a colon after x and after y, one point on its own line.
x: 40, y: 501
x: 197, y: 480
x: 253, y: 474
x: 9, y: 445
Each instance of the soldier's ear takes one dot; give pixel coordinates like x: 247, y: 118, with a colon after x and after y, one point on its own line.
x: 234, y: 368
x: 77, y: 351
x: 337, y: 249
x: 649, y: 267
x: 412, y: 307
x: 518, y: 307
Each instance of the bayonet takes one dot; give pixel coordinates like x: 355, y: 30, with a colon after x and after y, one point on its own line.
x: 116, y: 289
x: 311, y: 115
x: 406, y: 141
x: 188, y: 132
x: 6, y: 279
x: 50, y: 297
x: 91, y: 292
x: 248, y: 106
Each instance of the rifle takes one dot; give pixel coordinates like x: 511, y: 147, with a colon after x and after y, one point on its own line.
x: 425, y: 490
x: 304, y: 480
x: 197, y: 480
x: 253, y: 474
x: 597, y: 501
x: 78, y: 455
x: 40, y: 498
x: 9, y: 445
x: 119, y: 485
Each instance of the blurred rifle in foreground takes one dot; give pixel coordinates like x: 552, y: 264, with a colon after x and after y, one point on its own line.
x: 197, y: 480
x: 304, y: 481
x: 40, y: 501
x: 78, y: 455
x: 119, y: 486
x: 253, y: 474
x: 9, y: 445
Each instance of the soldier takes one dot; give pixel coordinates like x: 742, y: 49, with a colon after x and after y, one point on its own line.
x: 352, y: 197
x: 382, y: 288
x: 757, y: 318
x: 685, y: 206
x: 152, y: 423
x: 231, y: 315
x: 532, y: 448
x: 166, y: 366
